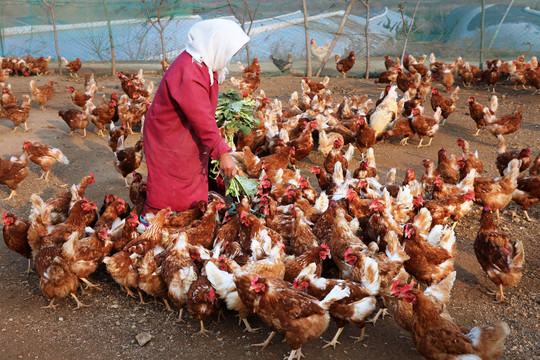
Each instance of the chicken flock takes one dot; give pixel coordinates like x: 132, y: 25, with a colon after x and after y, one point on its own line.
x: 294, y: 256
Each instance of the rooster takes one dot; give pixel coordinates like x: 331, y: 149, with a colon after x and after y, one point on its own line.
x: 344, y: 65
x: 44, y: 155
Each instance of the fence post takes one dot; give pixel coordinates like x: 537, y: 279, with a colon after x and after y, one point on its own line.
x: 481, y: 65
x: 113, y: 58
x: 308, y: 42
x: 366, y: 4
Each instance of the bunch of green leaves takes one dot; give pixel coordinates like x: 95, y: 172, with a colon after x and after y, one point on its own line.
x: 235, y: 113
x: 239, y: 185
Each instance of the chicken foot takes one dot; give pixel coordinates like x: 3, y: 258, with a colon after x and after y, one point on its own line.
x: 45, y: 175
x: 499, y: 295
x: 477, y: 132
x: 129, y: 292
x: 51, y: 305
x: 359, y: 338
x: 334, y: 341
x: 203, y: 331
x: 248, y: 327
x: 169, y: 308
x: 404, y: 141
x: 374, y: 319
x: 296, y: 354
x: 80, y: 305
x: 428, y: 144
x: 91, y: 285
x: 13, y: 194
x: 266, y: 342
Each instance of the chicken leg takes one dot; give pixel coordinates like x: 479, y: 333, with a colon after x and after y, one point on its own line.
x: 296, y: 354
x: 11, y: 195
x: 266, y: 342
x: 359, y: 338
x: 202, y: 331
x: 51, y: 305
x: 90, y: 285
x: 477, y: 132
x: 334, y: 341
x: 80, y: 305
x: 248, y: 327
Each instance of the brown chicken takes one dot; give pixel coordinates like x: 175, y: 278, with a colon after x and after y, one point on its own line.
x: 75, y: 119
x: 103, y: 115
x: 365, y: 136
x: 503, y: 125
x: 131, y: 112
x: 468, y: 156
x: 447, y: 168
x: 497, y: 192
x: 164, y: 65
x: 129, y: 232
x: 353, y: 309
x: 250, y: 79
x: 476, y: 111
x: 533, y: 77
x: 17, y: 113
x: 344, y: 65
x: 387, y: 77
x: 436, y: 337
x: 56, y: 281
x: 491, y: 76
x: 38, y: 66
x: 527, y: 193
x: 13, y: 171
x: 389, y: 63
x: 58, y: 234
x: 505, y: 156
x: 447, y: 105
x: 114, y: 134
x: 44, y: 155
x: 428, y: 263
x: 15, y: 233
x: 202, y: 300
x: 285, y: 310
x: 334, y: 156
x: 425, y: 125
x: 73, y: 66
x: 501, y: 257
x: 123, y: 265
x: 81, y: 99
x: 128, y: 159
x: 303, y: 144
x: 42, y: 94
x: 405, y: 81
x: 400, y: 128
x: 7, y: 96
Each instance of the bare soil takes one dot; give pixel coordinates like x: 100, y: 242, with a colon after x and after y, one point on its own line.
x: 107, y: 328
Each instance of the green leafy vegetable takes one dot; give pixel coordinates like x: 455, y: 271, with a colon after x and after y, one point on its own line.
x: 234, y: 113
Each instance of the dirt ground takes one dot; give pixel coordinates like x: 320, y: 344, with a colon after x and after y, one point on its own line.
x: 107, y: 328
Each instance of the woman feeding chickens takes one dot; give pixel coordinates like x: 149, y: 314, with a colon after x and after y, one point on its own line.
x: 180, y: 131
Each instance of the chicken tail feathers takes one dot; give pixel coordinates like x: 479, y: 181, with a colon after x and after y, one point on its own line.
x: 33, y: 86
x: 455, y: 94
x: 441, y: 290
x: 394, y: 250
x: 494, y: 103
x: 59, y: 155
x: 488, y: 341
x: 518, y: 257
x: 336, y: 294
x: 501, y: 144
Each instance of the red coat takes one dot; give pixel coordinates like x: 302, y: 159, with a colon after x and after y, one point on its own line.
x: 180, y: 133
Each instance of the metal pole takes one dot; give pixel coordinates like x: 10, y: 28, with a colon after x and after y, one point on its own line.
x: 481, y: 65
x: 308, y: 42
x: 499, y: 27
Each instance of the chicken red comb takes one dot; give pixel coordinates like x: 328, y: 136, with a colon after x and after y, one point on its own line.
x: 325, y: 247
x: 486, y: 208
x: 315, y: 170
x: 5, y: 215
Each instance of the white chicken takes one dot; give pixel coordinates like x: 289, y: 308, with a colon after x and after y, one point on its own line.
x: 385, y: 112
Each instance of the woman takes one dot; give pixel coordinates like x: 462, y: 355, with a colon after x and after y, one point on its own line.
x: 180, y: 131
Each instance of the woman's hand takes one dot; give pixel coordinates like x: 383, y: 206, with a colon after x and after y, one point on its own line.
x: 226, y: 165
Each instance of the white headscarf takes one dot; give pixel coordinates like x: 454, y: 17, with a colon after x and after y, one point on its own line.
x: 215, y: 42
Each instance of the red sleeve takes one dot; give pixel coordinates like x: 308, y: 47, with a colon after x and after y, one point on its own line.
x: 196, y: 106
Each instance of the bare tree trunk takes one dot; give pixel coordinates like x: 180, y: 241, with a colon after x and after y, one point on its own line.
x: 338, y: 34
x: 50, y: 6
x: 161, y: 29
x: 408, y: 32
x: 309, y: 72
x: 242, y: 21
x: 481, y: 64
x: 366, y: 4
x: 113, y: 57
